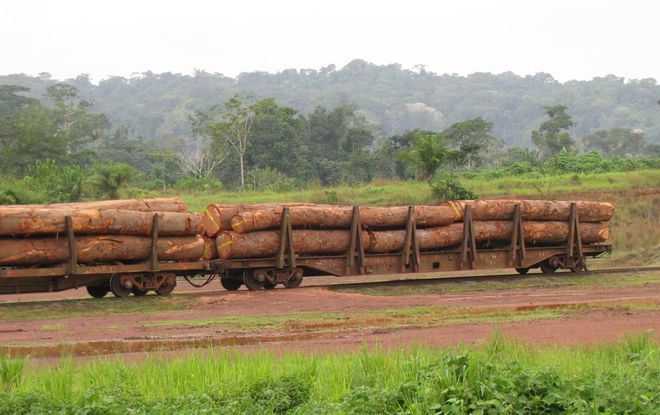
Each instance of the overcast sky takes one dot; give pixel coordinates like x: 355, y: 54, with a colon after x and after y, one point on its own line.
x: 570, y: 39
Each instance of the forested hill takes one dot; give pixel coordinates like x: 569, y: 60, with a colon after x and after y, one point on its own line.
x: 158, y: 105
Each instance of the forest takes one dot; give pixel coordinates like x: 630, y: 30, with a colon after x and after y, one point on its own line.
x: 70, y: 140
x: 394, y: 99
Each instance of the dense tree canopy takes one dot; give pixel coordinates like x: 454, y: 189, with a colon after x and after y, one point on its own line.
x: 61, y: 148
x: 158, y: 105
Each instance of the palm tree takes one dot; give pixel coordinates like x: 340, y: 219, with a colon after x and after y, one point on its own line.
x: 109, y: 178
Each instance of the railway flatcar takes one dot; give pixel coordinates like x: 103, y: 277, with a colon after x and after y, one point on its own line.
x: 288, y: 267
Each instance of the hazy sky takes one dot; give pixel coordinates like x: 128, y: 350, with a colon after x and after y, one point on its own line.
x: 569, y: 39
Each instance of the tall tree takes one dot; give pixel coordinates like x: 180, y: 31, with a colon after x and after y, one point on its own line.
x: 77, y: 124
x: 233, y: 129
x: 28, y: 136
x: 333, y: 135
x: 616, y: 142
x: 471, y: 138
x: 277, y: 140
x: 554, y: 134
x: 10, y: 100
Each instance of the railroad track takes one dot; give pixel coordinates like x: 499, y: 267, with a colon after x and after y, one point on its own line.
x: 406, y: 279
x: 481, y: 277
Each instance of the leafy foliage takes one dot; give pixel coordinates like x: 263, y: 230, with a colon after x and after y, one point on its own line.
x: 502, y: 377
x: 622, y: 142
x: 157, y: 105
x: 109, y: 179
x: 429, y: 152
x: 58, y: 183
x: 554, y: 134
x: 448, y: 187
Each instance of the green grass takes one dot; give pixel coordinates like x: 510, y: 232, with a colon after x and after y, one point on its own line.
x: 500, y: 376
x: 44, y: 310
x: 417, y: 193
x: 51, y: 327
x: 451, y: 286
x: 550, y: 185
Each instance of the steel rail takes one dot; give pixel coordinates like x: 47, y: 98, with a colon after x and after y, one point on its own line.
x: 482, y: 277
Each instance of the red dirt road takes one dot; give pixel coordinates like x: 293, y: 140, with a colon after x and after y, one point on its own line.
x: 343, y: 321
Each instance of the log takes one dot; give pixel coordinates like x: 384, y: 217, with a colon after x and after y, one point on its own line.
x: 534, y: 210
x: 141, y: 205
x: 98, y: 249
x: 536, y: 233
x: 40, y: 221
x: 325, y: 216
x: 217, y: 217
x: 266, y: 243
x: 210, y: 249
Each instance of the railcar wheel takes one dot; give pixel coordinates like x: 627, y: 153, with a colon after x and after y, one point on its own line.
x: 547, y: 268
x: 230, y: 284
x: 98, y: 291
x: 138, y: 292
x: 522, y: 271
x: 167, y: 285
x: 121, y: 285
x: 295, y: 279
x: 165, y: 290
x: 254, y: 280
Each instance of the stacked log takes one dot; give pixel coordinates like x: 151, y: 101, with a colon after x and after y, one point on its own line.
x: 266, y: 243
x: 108, y: 231
x: 98, y: 249
x: 141, y: 205
x: 33, y: 221
x: 533, y: 210
x: 536, y: 233
x: 341, y: 217
x: 217, y: 217
x: 253, y: 230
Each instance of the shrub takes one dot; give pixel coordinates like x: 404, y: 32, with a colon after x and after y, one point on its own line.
x: 56, y: 182
x: 270, y: 179
x: 18, y: 193
x: 448, y: 187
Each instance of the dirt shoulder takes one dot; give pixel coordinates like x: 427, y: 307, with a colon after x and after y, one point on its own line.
x: 317, y: 319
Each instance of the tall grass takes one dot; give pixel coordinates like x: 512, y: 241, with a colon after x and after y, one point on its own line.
x: 395, y: 192
x: 501, y: 377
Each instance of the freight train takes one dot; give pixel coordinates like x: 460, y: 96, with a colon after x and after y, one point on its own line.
x: 159, y: 270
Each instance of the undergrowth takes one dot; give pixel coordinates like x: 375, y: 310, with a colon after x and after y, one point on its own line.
x: 501, y: 376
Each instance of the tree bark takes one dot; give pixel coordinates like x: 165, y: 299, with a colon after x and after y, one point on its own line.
x: 217, y: 217
x: 41, y: 221
x: 142, y: 205
x: 496, y: 209
x: 536, y: 233
x: 266, y: 243
x: 242, y: 175
x: 327, y: 216
x: 98, y: 249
